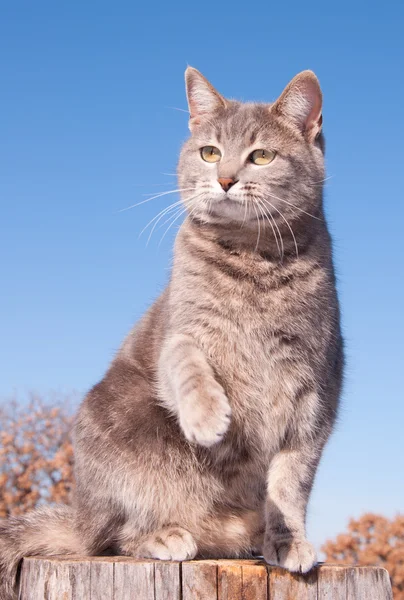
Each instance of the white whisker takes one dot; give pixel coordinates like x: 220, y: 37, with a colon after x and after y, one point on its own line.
x: 153, y: 228
x: 170, y: 217
x: 272, y: 227
x: 323, y: 180
x: 245, y: 210
x: 180, y: 109
x: 157, y: 196
x: 259, y: 228
x: 294, y: 206
x: 282, y: 252
x: 186, y: 201
x: 287, y: 223
x: 161, y: 214
x: 177, y: 215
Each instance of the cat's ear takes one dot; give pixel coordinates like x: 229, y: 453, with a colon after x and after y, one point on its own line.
x: 201, y: 95
x: 301, y: 103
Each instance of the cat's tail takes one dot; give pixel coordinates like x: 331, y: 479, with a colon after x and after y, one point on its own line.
x: 45, y: 531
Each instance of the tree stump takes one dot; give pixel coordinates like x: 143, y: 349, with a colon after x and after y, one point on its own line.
x: 122, y: 578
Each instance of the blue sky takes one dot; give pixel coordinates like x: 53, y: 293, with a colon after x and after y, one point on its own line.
x: 87, y: 127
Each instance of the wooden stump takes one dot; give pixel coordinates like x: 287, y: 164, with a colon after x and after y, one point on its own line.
x: 122, y: 578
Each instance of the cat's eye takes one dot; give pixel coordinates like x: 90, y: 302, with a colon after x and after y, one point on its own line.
x: 211, y: 154
x: 262, y: 157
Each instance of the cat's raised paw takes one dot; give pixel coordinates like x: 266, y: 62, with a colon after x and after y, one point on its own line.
x: 295, y: 555
x: 170, y: 543
x: 205, y: 415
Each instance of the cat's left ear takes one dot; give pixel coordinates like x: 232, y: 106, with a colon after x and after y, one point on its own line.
x: 301, y: 103
x: 201, y: 95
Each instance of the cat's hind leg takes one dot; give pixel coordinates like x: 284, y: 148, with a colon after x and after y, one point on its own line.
x: 219, y: 536
x: 231, y: 534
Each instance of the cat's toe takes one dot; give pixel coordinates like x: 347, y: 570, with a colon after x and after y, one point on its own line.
x: 295, y: 555
x: 205, y: 417
x: 171, y: 543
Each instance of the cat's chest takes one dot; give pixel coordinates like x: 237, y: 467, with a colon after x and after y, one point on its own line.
x: 246, y: 342
x: 247, y: 335
x: 249, y: 365
x: 239, y: 332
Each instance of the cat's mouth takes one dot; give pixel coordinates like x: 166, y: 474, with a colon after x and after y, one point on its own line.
x: 230, y: 196
x: 229, y: 206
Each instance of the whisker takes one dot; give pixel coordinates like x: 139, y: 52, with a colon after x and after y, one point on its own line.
x: 177, y: 215
x: 323, y: 180
x: 294, y: 206
x: 273, y: 229
x: 280, y: 237
x: 162, y: 215
x: 168, y: 192
x: 259, y: 227
x: 282, y: 247
x: 170, y: 217
x: 153, y: 228
x: 180, y: 109
x: 245, y: 211
x: 287, y: 223
x: 156, y: 196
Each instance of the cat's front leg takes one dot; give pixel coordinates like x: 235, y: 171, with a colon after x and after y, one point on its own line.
x: 290, y: 480
x: 189, y: 389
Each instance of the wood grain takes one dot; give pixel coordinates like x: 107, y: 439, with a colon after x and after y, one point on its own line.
x: 290, y: 586
x: 167, y: 581
x: 199, y: 580
x: 255, y: 582
x: 124, y: 578
x: 229, y: 581
x: 133, y: 580
x: 101, y: 580
x: 332, y: 583
x: 364, y: 583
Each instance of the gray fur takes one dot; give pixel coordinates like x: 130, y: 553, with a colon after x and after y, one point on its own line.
x: 204, y: 436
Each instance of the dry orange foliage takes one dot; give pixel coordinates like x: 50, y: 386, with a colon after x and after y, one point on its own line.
x: 36, y: 455
x: 372, y: 540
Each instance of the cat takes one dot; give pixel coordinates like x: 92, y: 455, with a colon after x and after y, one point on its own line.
x: 205, y: 434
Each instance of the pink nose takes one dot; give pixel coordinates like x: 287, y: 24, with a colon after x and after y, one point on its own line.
x: 226, y: 182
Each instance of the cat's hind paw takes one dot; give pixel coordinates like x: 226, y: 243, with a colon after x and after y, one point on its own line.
x: 170, y: 543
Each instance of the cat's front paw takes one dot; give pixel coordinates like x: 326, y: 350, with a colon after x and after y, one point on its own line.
x: 205, y: 414
x: 294, y: 554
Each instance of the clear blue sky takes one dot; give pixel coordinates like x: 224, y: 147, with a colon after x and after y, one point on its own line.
x: 87, y: 128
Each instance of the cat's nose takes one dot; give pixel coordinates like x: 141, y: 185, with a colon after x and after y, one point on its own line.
x: 226, y: 182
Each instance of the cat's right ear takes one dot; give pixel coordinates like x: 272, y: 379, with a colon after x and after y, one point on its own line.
x: 202, y: 97
x: 301, y: 104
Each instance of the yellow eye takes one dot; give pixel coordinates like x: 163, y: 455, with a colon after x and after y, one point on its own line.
x: 262, y: 157
x: 211, y: 154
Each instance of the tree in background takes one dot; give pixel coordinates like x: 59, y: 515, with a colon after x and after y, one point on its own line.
x: 36, y: 454
x: 372, y: 540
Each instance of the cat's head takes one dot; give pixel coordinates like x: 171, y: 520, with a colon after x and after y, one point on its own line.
x: 245, y: 161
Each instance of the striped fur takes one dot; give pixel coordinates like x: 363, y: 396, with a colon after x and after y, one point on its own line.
x: 204, y: 436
